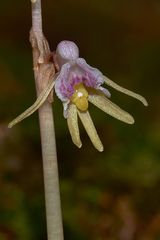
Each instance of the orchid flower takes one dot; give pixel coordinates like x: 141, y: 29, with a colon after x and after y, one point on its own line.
x: 77, y: 84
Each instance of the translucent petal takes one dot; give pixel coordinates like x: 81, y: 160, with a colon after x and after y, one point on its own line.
x: 90, y: 129
x: 124, y: 90
x: 73, y: 125
x: 112, y: 109
x: 40, y: 100
x: 94, y: 73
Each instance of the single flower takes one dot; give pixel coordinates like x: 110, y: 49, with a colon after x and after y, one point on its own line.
x: 77, y: 84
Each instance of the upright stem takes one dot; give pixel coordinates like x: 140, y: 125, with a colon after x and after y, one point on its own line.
x: 51, y: 182
x: 37, y: 16
x: 50, y: 167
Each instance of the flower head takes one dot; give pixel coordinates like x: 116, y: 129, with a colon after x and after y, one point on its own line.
x: 77, y: 84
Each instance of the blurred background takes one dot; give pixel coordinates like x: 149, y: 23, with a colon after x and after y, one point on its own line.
x: 113, y: 195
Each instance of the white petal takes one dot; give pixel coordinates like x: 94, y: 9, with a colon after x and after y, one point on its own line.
x: 65, y: 109
x: 105, y: 91
x: 90, y: 129
x: 40, y: 100
x: 98, y: 76
x: 124, y: 90
x: 110, y: 108
x: 62, y: 79
x: 73, y: 125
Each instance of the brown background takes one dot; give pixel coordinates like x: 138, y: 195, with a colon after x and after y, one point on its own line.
x: 110, y: 195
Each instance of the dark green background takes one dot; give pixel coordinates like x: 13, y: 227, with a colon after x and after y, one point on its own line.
x: 113, y: 195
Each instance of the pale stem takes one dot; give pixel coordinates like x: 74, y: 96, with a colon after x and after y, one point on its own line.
x: 37, y: 16
x: 50, y: 167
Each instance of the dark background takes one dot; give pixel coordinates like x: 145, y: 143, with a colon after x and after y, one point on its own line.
x: 110, y: 195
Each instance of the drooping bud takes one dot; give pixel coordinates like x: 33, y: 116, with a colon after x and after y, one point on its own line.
x: 66, y: 51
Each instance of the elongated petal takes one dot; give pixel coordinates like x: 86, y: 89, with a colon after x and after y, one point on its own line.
x: 90, y: 129
x: 72, y: 121
x: 124, y: 90
x: 40, y: 100
x: 112, y: 109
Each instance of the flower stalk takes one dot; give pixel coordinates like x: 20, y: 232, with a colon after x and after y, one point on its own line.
x: 44, y: 72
